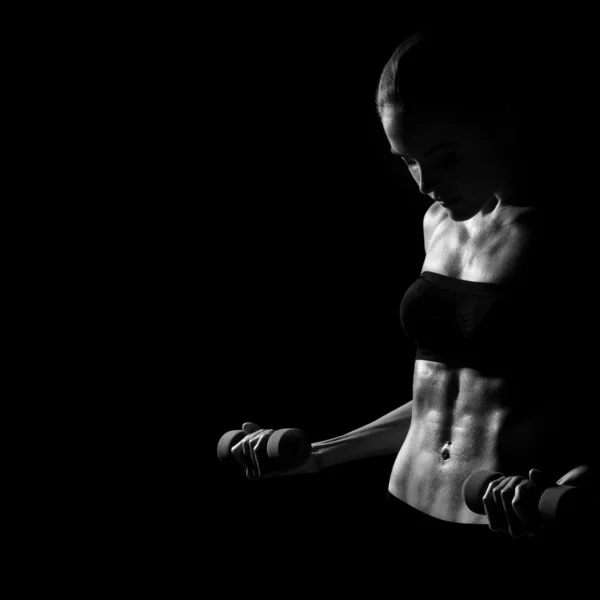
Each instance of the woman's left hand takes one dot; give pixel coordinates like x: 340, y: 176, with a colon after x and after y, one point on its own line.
x: 511, y: 504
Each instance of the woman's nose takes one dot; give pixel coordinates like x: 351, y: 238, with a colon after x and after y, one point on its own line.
x: 427, y: 180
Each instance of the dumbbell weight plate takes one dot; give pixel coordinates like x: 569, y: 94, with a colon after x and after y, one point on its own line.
x: 227, y: 441
x: 288, y: 448
x: 474, y: 489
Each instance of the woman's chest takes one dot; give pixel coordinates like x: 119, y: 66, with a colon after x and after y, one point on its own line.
x: 512, y: 254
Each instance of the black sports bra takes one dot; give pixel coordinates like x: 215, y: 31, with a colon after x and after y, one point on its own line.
x: 486, y: 326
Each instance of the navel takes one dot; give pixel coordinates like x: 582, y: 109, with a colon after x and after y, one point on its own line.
x: 445, y: 452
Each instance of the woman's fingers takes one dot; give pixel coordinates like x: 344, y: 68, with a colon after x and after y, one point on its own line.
x: 249, y: 456
x: 511, y: 506
x: 492, y: 502
x: 516, y: 527
x: 241, y: 453
x: 525, y: 503
x: 251, y: 453
x: 260, y: 452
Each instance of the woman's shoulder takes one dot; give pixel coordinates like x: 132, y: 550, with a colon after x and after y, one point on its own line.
x: 434, y: 215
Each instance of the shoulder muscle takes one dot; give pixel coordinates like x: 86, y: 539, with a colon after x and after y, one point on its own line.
x: 432, y: 218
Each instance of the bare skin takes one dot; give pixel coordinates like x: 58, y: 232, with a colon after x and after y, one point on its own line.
x: 462, y: 420
x: 461, y: 417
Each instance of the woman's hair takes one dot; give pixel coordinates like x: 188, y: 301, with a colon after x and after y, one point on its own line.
x: 474, y: 72
x: 470, y: 70
x: 542, y: 68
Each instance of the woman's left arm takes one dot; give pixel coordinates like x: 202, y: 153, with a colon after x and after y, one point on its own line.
x: 584, y: 476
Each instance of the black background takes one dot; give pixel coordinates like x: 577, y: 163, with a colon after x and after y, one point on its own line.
x: 286, y: 257
x: 311, y: 231
x: 260, y: 237
x: 250, y: 238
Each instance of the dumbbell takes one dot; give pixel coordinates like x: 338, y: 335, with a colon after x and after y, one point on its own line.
x: 286, y: 448
x: 557, y: 504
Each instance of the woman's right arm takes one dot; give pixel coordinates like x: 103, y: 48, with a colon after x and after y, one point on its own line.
x: 381, y: 437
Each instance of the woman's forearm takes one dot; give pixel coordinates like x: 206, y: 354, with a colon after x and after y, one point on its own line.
x: 383, y: 436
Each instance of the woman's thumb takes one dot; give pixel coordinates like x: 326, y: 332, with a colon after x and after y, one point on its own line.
x: 539, y: 479
x: 250, y: 428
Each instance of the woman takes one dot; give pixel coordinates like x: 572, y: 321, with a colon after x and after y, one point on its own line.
x: 493, y: 387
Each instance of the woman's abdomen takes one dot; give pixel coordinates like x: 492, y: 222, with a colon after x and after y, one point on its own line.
x: 462, y: 422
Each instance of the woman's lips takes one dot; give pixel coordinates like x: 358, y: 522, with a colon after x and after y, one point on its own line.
x: 446, y: 202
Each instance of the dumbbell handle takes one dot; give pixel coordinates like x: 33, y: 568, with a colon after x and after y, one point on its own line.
x: 286, y: 448
x: 556, y: 503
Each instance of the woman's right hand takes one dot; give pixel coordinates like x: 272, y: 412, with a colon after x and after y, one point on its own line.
x: 251, y: 454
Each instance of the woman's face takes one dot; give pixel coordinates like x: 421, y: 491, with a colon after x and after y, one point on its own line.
x: 460, y: 161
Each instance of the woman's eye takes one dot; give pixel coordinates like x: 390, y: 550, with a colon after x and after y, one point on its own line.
x: 447, y: 159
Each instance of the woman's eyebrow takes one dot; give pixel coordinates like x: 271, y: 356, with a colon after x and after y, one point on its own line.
x: 440, y: 147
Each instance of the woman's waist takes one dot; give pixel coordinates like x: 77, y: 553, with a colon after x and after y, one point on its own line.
x: 490, y: 437
x: 415, y: 518
x: 437, y: 450
x: 432, y: 482
x: 445, y: 457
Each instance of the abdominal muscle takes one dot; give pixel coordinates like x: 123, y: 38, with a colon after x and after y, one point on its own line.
x: 462, y: 422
